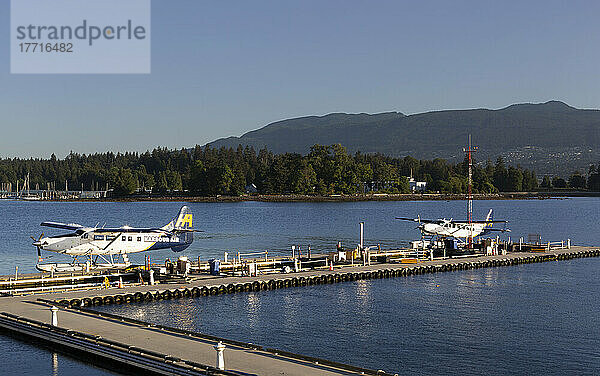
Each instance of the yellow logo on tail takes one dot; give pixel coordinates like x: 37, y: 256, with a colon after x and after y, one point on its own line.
x: 184, y: 221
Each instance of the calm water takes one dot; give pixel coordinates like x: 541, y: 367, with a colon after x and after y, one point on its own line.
x: 260, y: 226
x: 26, y: 358
x: 528, y: 319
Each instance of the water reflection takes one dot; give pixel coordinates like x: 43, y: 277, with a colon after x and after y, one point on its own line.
x: 54, y: 364
x: 290, y: 309
x: 362, y: 292
x: 252, y: 310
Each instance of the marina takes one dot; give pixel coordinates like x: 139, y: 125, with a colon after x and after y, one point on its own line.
x: 300, y: 189
x: 81, y: 294
x: 131, y: 343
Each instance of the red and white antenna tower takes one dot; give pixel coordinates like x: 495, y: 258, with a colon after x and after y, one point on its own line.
x: 469, y: 150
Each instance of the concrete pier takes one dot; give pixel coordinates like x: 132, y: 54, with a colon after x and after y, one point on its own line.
x: 165, y: 350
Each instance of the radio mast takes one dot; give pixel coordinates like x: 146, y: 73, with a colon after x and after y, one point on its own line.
x: 469, y: 150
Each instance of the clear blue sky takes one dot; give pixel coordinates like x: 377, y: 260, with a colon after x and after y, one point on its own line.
x: 222, y: 68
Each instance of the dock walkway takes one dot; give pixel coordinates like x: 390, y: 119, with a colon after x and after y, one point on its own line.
x: 179, y: 352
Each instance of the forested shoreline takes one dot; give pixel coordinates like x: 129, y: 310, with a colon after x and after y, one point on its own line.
x: 326, y: 170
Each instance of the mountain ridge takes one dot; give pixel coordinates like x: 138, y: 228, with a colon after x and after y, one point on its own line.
x: 561, y: 136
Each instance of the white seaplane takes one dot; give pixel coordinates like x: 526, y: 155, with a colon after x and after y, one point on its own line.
x: 447, y: 228
x: 103, y: 244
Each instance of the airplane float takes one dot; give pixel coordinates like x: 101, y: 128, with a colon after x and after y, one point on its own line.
x: 446, y: 228
x: 105, y: 243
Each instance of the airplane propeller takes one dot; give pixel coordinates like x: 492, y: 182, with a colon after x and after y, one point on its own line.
x: 36, y: 243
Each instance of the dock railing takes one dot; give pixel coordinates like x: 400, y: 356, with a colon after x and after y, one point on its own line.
x: 559, y: 245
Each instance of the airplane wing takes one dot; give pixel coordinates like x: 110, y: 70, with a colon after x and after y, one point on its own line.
x: 64, y: 226
x: 129, y: 229
x: 143, y: 230
x: 418, y: 220
x: 498, y: 221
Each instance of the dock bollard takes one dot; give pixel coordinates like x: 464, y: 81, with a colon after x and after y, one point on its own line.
x: 220, y: 358
x: 151, y: 282
x: 54, y: 312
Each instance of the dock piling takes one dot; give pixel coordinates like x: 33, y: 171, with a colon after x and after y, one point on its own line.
x: 54, y: 313
x: 362, y: 235
x: 220, y: 358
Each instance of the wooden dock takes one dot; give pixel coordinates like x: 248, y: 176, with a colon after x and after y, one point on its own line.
x: 109, y: 339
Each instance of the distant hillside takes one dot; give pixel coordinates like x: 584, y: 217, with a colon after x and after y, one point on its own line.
x: 550, y: 137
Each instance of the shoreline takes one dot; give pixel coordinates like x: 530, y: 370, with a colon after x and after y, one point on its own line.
x: 398, y: 197
x: 556, y: 195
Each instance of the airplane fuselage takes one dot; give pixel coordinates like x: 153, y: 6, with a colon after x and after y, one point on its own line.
x: 92, y: 243
x: 449, y: 229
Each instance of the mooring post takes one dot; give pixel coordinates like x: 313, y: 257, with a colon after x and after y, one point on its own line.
x: 54, y: 312
x: 569, y: 243
x: 362, y: 227
x: 151, y: 282
x: 361, y: 243
x: 220, y: 358
x: 520, y: 243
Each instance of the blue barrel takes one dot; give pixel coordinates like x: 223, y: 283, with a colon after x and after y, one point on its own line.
x: 214, y: 266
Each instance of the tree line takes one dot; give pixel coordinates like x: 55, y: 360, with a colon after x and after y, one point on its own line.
x: 206, y: 171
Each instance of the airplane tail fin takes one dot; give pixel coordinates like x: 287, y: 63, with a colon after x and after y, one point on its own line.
x: 490, y: 217
x: 183, y: 221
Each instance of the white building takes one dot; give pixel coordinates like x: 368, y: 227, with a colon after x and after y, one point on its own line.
x: 417, y: 186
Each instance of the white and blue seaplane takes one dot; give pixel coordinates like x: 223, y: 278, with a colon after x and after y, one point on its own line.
x: 100, y: 246
x: 447, y: 228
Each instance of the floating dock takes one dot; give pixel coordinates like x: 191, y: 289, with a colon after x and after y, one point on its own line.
x: 136, y: 345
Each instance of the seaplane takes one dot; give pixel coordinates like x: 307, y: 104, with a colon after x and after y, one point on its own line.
x: 449, y: 228
x: 100, y: 245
